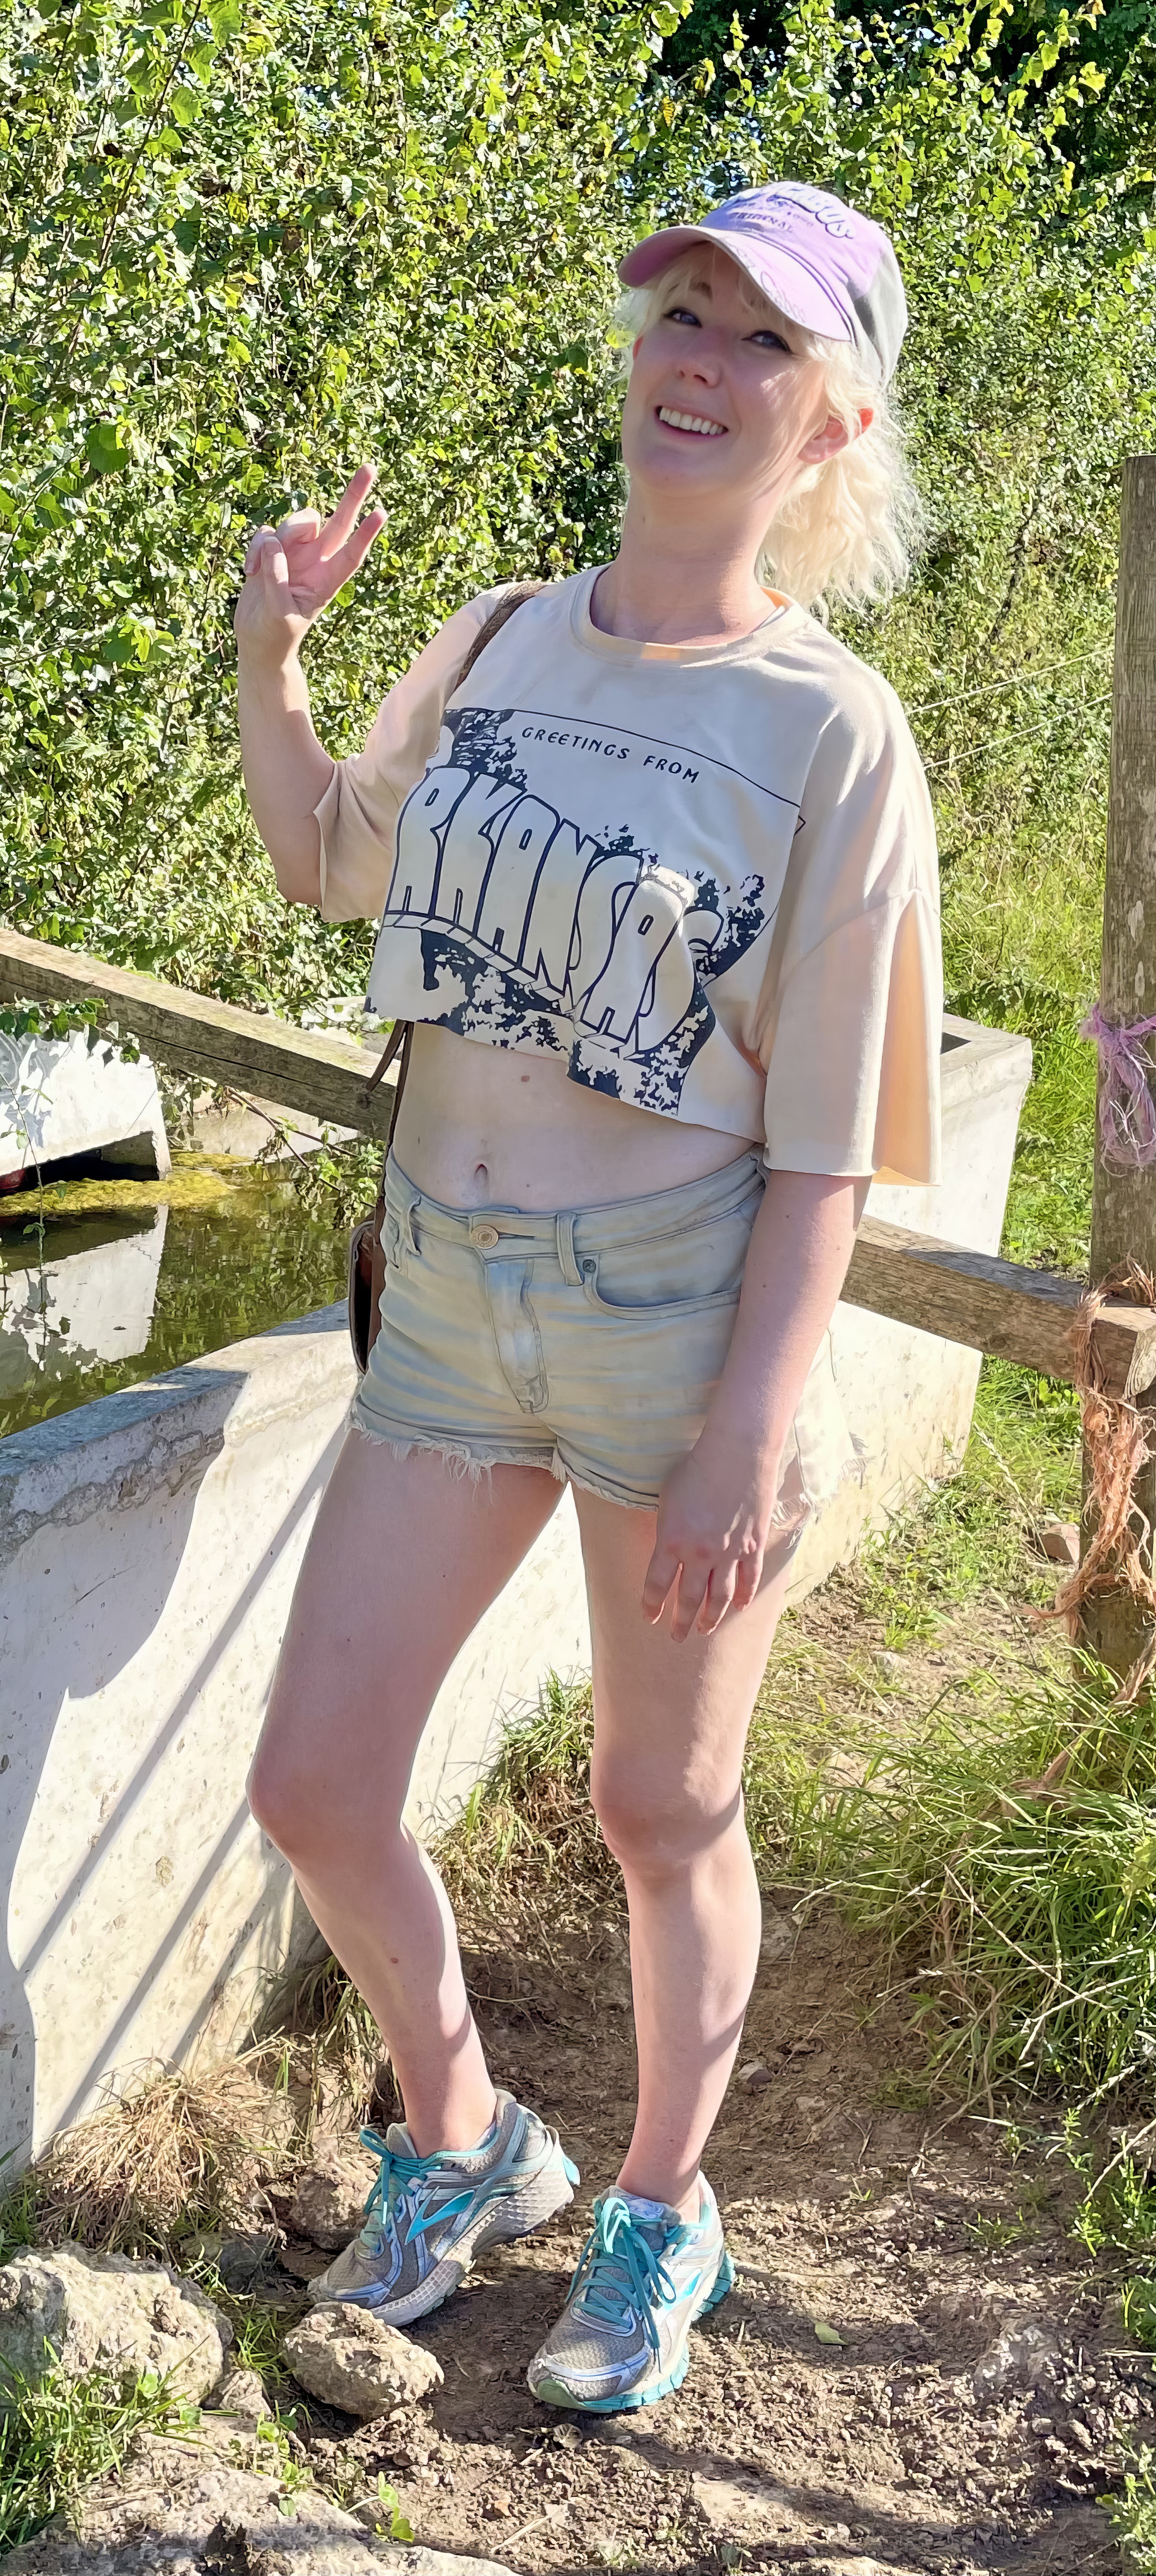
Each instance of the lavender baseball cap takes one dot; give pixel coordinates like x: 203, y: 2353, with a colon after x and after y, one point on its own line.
x: 819, y: 262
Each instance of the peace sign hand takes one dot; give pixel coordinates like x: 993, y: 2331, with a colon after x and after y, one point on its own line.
x: 293, y: 571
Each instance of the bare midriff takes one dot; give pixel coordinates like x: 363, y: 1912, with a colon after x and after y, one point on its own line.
x: 481, y: 1126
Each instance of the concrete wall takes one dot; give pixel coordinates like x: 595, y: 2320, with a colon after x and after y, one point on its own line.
x: 148, y: 1546
x: 59, y: 1096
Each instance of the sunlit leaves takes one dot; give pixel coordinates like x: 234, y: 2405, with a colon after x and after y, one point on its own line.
x: 250, y: 247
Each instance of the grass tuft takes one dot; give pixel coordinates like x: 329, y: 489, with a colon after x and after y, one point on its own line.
x: 527, y: 1838
x: 1009, y: 1853
x: 172, y: 2153
x: 345, y: 2058
x: 58, y: 2433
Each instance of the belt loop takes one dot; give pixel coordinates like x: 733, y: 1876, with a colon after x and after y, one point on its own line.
x: 567, y: 1262
x: 410, y: 1202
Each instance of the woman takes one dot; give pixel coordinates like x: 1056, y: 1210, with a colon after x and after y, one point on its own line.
x: 657, y: 887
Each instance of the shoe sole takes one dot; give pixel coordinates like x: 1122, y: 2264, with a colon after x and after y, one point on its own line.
x: 553, y: 2392
x: 531, y: 2207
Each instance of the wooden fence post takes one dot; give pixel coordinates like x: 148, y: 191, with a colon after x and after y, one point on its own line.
x: 1114, y: 1626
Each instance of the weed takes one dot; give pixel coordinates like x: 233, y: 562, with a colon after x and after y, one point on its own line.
x: 1138, y: 2310
x: 1118, y: 2210
x: 18, y: 2215
x: 256, y: 2332
x: 993, y: 2233
x: 270, y: 2453
x: 57, y: 2433
x: 899, y: 2090
x: 530, y: 1818
x: 526, y: 1852
x: 1132, y: 2513
x: 393, y: 2521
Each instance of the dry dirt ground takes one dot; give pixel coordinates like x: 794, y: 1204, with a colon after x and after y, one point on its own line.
x: 908, y: 2237
x: 832, y: 2418
x: 781, y: 2449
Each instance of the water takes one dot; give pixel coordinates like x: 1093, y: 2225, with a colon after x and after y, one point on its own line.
x: 128, y: 1278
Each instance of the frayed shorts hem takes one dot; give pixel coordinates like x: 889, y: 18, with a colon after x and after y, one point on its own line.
x: 470, y: 1464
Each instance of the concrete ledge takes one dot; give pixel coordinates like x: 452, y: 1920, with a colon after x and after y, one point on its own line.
x: 149, y: 1543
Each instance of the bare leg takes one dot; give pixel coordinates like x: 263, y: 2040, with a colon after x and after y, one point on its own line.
x: 670, y: 1726
x: 403, y: 1560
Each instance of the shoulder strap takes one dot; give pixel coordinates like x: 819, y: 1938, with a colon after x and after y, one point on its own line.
x: 511, y: 599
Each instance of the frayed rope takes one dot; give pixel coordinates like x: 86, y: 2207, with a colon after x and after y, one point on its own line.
x: 1119, y: 1442
x: 1127, y: 1112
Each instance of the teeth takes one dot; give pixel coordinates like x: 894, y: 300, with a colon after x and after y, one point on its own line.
x: 690, y: 420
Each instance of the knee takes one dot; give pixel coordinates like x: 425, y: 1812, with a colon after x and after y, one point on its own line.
x: 283, y: 1799
x: 312, y: 1809
x: 658, y: 1830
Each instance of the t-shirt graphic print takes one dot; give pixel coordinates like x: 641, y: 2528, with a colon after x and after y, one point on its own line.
x: 545, y: 920
x: 704, y: 878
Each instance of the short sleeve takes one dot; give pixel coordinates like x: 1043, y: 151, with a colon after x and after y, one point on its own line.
x: 357, y: 815
x: 853, y: 1027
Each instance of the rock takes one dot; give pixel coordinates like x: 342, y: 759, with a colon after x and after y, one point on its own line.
x: 195, y: 2516
x: 304, y: 2262
x: 741, y: 2504
x: 755, y: 2077
x: 350, y: 2359
x: 241, y: 2393
x: 329, y: 2200
x: 104, y: 2312
x: 1059, y: 1541
x: 1017, y: 2359
x: 238, y: 2259
x: 778, y: 1936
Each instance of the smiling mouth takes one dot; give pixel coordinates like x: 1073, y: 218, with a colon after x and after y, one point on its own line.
x: 691, y: 421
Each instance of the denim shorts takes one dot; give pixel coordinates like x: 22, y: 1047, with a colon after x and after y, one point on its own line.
x: 589, y: 1342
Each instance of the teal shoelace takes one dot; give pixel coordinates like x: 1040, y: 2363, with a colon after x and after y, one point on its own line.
x: 395, y: 2197
x: 619, y: 2270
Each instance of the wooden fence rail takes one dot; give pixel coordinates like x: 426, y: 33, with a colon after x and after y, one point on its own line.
x: 990, y: 1305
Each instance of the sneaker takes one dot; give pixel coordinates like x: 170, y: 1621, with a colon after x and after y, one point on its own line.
x: 428, y: 2216
x: 645, y: 2276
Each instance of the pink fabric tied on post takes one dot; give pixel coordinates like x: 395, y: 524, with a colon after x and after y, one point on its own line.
x: 1127, y: 1111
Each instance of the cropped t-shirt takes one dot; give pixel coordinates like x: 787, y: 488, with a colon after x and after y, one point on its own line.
x: 704, y: 877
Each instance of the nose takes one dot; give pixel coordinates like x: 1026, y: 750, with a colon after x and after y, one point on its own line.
x: 700, y: 362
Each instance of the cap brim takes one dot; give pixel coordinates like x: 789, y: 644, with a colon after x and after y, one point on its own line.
x: 785, y: 282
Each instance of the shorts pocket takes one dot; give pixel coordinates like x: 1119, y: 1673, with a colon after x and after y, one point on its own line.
x: 692, y: 1267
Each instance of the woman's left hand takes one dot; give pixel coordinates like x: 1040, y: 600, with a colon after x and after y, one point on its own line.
x: 714, y: 1522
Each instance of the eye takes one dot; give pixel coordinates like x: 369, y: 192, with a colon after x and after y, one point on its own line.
x: 682, y: 313
x: 770, y: 340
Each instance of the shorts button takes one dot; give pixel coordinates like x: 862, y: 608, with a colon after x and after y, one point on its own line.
x: 487, y: 1236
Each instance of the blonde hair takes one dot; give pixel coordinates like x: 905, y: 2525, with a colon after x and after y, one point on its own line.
x: 848, y: 528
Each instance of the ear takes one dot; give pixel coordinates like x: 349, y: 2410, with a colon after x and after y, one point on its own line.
x: 637, y: 346
x: 832, y: 438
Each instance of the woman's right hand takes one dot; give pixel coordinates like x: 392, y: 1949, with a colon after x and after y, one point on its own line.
x: 293, y: 571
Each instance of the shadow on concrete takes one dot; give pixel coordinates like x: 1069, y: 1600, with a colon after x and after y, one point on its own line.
x: 97, y: 1511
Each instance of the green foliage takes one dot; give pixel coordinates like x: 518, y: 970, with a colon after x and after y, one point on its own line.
x: 1132, y: 2513
x: 57, y: 2433
x: 248, y: 251
x: 1009, y: 1851
x: 394, y: 2522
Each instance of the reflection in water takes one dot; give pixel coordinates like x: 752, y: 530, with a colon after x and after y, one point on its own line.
x: 88, y: 1305
x: 83, y: 1300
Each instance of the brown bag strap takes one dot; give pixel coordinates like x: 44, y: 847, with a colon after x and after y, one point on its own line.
x: 514, y: 597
